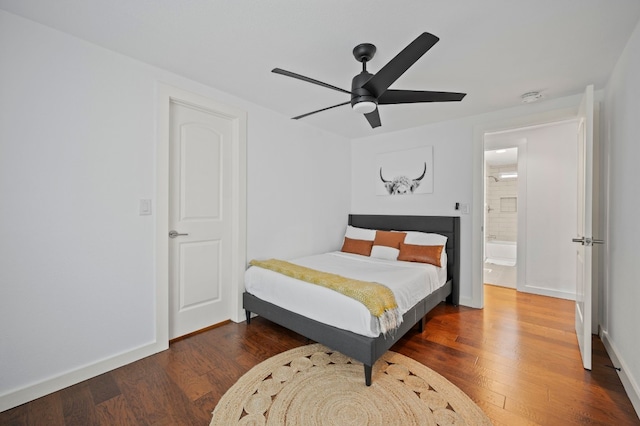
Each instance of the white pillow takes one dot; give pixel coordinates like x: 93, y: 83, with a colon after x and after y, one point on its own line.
x: 360, y: 233
x: 425, y: 239
x: 428, y: 239
x: 385, y: 252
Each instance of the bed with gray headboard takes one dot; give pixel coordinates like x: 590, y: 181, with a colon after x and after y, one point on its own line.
x: 362, y: 348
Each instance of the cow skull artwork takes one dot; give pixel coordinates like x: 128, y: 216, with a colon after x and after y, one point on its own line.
x: 401, y: 185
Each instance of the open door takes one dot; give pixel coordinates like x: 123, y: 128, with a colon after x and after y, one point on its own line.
x: 585, y: 225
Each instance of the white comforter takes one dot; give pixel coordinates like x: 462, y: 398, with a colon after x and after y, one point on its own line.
x: 409, y: 281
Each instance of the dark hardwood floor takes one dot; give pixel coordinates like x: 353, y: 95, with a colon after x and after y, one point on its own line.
x: 517, y: 359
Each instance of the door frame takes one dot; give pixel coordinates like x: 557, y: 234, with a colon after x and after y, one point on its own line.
x: 477, y: 219
x: 165, y: 95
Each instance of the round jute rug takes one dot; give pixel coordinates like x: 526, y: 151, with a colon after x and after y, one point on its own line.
x: 314, y: 385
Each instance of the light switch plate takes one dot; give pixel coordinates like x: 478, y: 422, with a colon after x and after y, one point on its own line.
x: 145, y: 207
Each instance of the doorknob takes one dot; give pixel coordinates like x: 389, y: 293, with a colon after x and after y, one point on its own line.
x: 587, y: 241
x: 173, y: 234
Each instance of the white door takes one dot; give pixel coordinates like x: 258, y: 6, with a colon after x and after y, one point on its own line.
x: 585, y: 240
x: 200, y: 221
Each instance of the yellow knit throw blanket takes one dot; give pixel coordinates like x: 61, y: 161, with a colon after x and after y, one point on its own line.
x: 377, y: 298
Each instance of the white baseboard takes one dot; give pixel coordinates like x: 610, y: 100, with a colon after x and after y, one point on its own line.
x: 471, y: 303
x: 628, y: 381
x: 542, y: 291
x: 23, y: 395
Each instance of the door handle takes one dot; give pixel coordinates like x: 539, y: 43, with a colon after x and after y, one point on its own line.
x: 173, y: 234
x: 587, y: 241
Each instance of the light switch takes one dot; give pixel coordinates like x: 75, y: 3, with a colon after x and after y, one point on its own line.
x: 464, y: 208
x: 145, y: 207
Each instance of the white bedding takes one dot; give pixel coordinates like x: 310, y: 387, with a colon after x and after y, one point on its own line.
x: 409, y: 281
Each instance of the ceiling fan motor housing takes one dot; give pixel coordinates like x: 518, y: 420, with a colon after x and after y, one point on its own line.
x: 358, y: 94
x: 364, y: 52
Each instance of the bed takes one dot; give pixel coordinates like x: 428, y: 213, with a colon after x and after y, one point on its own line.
x: 363, y: 348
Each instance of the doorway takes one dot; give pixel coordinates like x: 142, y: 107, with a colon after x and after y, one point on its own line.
x: 206, y: 143
x: 532, y: 217
x: 501, y: 216
x: 200, y: 182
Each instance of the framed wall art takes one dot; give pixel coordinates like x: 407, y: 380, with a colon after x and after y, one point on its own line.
x: 405, y: 172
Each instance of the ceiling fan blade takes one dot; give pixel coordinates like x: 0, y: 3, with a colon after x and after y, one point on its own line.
x: 373, y: 118
x: 415, y: 96
x: 381, y: 81
x: 307, y: 79
x: 320, y: 110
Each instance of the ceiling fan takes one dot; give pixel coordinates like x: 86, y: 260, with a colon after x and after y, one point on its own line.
x: 370, y: 90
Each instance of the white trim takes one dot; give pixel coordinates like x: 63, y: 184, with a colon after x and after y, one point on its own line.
x: 629, y: 383
x: 465, y: 301
x: 238, y: 117
x: 543, y: 291
x: 20, y: 396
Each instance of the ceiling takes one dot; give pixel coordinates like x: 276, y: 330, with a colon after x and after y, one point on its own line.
x: 493, y: 50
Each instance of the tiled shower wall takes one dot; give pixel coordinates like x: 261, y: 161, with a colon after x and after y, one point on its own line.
x: 501, y: 204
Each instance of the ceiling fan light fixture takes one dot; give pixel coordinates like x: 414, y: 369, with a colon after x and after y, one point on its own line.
x: 364, y: 107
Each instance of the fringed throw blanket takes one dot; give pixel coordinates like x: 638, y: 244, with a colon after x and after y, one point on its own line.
x: 377, y: 298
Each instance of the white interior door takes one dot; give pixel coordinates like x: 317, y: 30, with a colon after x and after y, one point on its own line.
x: 585, y: 240
x: 200, y: 241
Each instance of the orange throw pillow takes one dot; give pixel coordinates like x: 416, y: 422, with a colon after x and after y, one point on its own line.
x: 362, y: 247
x: 389, y: 239
x: 422, y: 254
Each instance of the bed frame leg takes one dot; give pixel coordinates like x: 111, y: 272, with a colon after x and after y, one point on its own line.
x: 248, y: 315
x: 367, y: 374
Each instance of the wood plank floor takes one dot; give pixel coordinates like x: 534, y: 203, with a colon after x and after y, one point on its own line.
x: 517, y: 359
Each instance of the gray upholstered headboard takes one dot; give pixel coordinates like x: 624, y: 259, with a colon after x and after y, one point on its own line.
x: 445, y: 225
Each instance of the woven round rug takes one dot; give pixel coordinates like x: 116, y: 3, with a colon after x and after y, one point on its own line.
x: 314, y: 385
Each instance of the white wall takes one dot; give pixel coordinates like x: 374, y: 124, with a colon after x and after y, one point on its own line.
x: 501, y: 224
x: 450, y: 180
x: 77, y: 152
x: 621, y: 153
x: 77, y: 141
x: 458, y: 177
x: 551, y: 206
x: 455, y: 144
x: 299, y: 192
